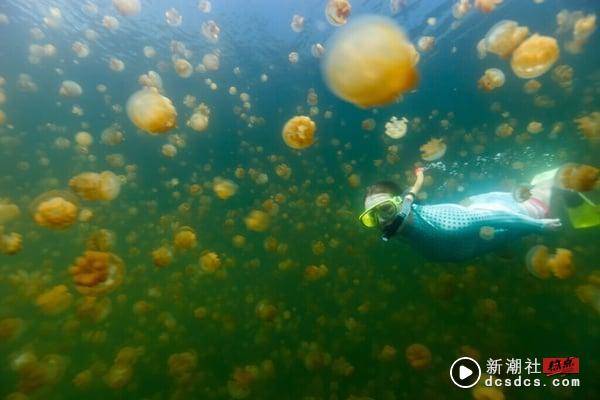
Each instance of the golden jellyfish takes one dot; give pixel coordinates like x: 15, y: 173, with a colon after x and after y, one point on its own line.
x: 461, y: 8
x: 257, y: 221
x: 116, y: 65
x: 211, y: 61
x: 168, y: 150
x: 110, y: 22
x: 80, y: 49
x: 211, y: 31
x: 426, y: 43
x: 151, y: 112
x: 224, y: 188
x: 70, y: 89
x: 96, y: 186
x: 265, y: 310
x: 205, y: 6
x: 182, y: 365
x: 492, y: 78
x: 504, y: 37
x: 8, y: 211
x: 433, y: 150
x: 297, y: 23
x: 589, y: 126
x: 578, y: 177
x: 162, y: 257
x: 532, y: 86
x: 173, y: 17
x: 338, y: 11
x: 535, y: 127
x: 185, y: 238
x: 10, y: 243
x: 97, y: 272
x: 55, y: 209
x: 10, y: 329
x: 396, y: 128
x: 93, y: 309
x: 298, y: 132
x: 561, y: 263
x: 537, y: 262
x: 535, y: 56
x: 370, y: 62
x: 210, y: 262
x: 418, y: 356
x: 112, y: 136
x: 149, y: 52
x: 315, y: 272
x: 504, y: 130
x: 317, y: 50
x: 127, y: 7
x: 101, y: 240
x: 118, y: 376
x: 387, y: 353
x: 283, y: 171
x: 293, y: 57
x: 55, y: 300
x: 183, y: 68
x: 83, y: 379
x: 487, y: 6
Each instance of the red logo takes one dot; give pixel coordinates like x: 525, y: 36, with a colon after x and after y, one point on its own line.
x: 558, y: 365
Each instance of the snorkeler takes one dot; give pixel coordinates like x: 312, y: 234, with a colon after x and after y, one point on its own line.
x: 453, y: 232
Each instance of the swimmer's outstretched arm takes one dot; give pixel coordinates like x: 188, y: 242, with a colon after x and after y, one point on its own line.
x: 523, y: 223
x: 418, y: 183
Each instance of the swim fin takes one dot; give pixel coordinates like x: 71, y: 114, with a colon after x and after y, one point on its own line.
x: 544, y: 176
x: 585, y: 215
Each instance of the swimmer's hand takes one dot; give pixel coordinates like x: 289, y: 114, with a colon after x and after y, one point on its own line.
x: 551, y: 224
x: 419, y: 171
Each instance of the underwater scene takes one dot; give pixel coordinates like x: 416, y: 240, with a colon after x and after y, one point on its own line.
x: 299, y: 199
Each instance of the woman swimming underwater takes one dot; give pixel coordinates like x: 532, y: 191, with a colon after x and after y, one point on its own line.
x: 453, y: 232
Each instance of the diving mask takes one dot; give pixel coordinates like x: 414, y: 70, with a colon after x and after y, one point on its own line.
x: 380, y: 207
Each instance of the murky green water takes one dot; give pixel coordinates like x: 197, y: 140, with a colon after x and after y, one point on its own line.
x: 230, y: 265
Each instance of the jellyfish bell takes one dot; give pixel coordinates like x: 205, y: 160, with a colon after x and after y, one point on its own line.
x: 97, y: 272
x: 55, y: 209
x: 211, y: 31
x: 504, y: 37
x: 173, y: 17
x: 224, y: 188
x: 396, y: 128
x: 534, y: 56
x: 70, y: 89
x: 487, y: 6
x: 537, y: 261
x: 297, y: 23
x: 298, y: 132
x: 337, y: 12
x: 578, y: 177
x: 127, y: 8
x: 151, y: 112
x: 370, y: 62
x: 433, y: 150
x: 183, y: 68
x: 418, y: 356
x: 96, y: 186
x: 492, y: 78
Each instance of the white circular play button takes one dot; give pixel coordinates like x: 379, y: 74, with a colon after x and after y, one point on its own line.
x: 465, y: 372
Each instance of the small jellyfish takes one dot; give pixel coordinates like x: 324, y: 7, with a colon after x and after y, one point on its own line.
x: 418, y: 356
x: 535, y: 56
x: 298, y: 132
x: 173, y: 17
x: 112, y: 136
x: 370, y: 62
x: 55, y: 209
x: 10, y: 329
x: 368, y: 124
x: 162, y: 256
x: 224, y: 188
x: 504, y: 37
x: 185, y: 238
x: 317, y: 50
x: 487, y: 6
x: 536, y: 261
x: 561, y: 263
x: 183, y: 68
x: 535, y: 127
x: 492, y: 78
x: 211, y: 61
x: 460, y: 8
x: 55, y: 300
x: 104, y: 186
x: 70, y: 89
x: 578, y: 177
x: 110, y: 23
x: 532, y: 86
x: 433, y: 150
x: 589, y: 126
x: 338, y: 11
x: 426, y: 43
x: 116, y: 65
x: 80, y: 49
x: 149, y: 52
x: 8, y: 211
x: 151, y: 112
x: 127, y: 7
x: 504, y: 130
x: 210, y: 262
x: 200, y: 118
x: 257, y: 221
x: 168, y: 150
x: 396, y: 128
x: 204, y: 6
x: 97, y: 272
x: 10, y: 243
x: 293, y: 57
x: 211, y: 31
x: 563, y: 76
x: 297, y: 23
x: 487, y: 233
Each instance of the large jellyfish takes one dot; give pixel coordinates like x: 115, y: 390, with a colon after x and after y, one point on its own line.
x: 55, y: 300
x: 370, y: 62
x: 70, y: 89
x: 151, y: 112
x: 504, y: 37
x: 299, y: 132
x: 433, y: 150
x: 96, y: 186
x: 97, y: 272
x: 55, y: 209
x: 535, y: 56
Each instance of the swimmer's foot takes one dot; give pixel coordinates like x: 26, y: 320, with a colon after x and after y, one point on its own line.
x: 551, y: 224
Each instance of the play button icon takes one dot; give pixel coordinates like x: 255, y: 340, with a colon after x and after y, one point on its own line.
x: 465, y: 372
